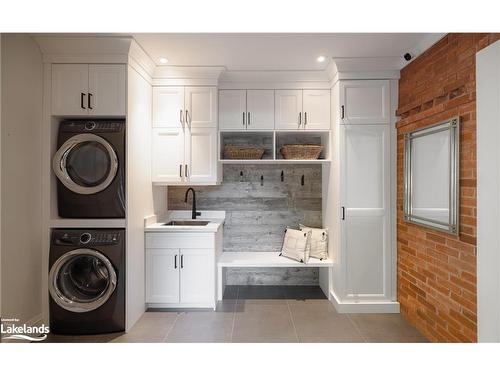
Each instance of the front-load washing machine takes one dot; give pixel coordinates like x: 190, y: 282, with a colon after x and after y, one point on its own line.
x: 90, y: 168
x: 87, y: 281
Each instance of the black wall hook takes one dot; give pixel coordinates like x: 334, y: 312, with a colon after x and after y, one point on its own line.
x: 302, y: 180
x: 282, y: 176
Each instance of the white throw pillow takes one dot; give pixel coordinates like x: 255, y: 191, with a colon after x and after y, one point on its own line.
x: 295, y: 245
x: 318, y: 242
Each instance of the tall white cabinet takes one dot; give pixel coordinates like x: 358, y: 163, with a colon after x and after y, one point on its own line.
x: 184, y: 135
x: 364, y: 280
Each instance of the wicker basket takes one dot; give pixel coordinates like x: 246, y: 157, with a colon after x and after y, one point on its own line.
x: 301, y: 152
x: 245, y: 152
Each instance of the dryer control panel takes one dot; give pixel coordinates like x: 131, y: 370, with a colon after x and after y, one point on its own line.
x: 90, y: 237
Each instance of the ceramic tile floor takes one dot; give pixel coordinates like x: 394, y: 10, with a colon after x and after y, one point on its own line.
x: 263, y: 314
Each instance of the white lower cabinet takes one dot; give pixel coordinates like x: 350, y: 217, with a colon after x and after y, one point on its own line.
x: 162, y: 270
x: 180, y: 277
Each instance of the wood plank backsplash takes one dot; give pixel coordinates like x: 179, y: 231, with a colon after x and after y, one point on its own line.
x: 257, y: 214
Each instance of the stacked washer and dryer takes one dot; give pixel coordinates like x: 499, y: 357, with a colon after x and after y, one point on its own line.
x: 87, y: 266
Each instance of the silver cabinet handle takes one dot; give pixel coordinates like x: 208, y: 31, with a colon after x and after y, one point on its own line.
x: 175, y: 261
x: 182, y: 261
x: 186, y: 170
x: 249, y: 118
x: 180, y: 170
x: 188, y: 121
x: 243, y: 118
x: 300, y: 118
x: 181, y: 117
x: 305, y: 118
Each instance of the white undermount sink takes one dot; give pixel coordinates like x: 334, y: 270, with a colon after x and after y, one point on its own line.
x: 200, y: 223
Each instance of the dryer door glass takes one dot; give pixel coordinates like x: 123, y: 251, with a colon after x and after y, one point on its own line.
x: 82, y: 280
x: 88, y: 164
x: 85, y: 164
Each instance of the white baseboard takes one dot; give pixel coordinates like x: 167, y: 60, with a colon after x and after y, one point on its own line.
x: 376, y: 307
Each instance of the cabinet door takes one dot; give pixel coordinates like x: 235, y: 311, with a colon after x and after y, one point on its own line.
x: 70, y: 86
x: 168, y: 107
x: 107, y: 90
x: 232, y: 109
x: 288, y: 109
x: 167, y: 155
x: 197, y: 275
x: 162, y: 275
x: 201, y: 107
x: 316, y: 107
x: 366, y: 242
x: 365, y: 102
x: 201, y: 155
x: 260, y: 109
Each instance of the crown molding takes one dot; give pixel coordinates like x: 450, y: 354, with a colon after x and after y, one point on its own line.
x: 169, y: 75
x: 85, y: 49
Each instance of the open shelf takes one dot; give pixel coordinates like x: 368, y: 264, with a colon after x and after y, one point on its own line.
x: 274, y: 161
x: 87, y: 223
x: 272, y: 141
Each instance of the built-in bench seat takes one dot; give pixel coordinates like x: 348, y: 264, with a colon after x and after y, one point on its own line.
x: 258, y: 259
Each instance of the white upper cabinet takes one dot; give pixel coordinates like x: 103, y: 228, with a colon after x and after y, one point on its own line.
x: 201, y: 155
x: 316, y: 109
x: 201, y: 107
x: 107, y: 90
x: 70, y: 89
x: 168, y: 107
x: 232, y: 109
x: 260, y: 110
x: 365, y: 102
x: 167, y: 155
x: 288, y: 109
x: 83, y: 89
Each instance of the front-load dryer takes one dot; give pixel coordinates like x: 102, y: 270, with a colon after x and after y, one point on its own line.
x: 90, y: 168
x: 87, y: 281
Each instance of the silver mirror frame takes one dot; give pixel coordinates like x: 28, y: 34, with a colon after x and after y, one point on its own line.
x: 453, y: 127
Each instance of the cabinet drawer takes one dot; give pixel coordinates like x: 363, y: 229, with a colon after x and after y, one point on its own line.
x: 180, y: 240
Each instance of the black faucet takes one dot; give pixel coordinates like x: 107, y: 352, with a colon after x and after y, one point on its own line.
x: 193, y: 210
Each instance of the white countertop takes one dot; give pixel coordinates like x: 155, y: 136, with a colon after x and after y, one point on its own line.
x: 215, y: 218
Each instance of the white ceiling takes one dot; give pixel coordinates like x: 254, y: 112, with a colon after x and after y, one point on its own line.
x: 278, y: 51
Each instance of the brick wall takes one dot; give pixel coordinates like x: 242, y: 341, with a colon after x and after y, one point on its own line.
x: 436, y: 271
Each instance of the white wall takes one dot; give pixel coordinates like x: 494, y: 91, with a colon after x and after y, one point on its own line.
x: 21, y: 221
x: 488, y: 186
x: 139, y: 189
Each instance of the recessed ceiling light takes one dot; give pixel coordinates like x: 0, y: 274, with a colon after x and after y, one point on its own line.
x: 321, y: 58
x: 163, y: 60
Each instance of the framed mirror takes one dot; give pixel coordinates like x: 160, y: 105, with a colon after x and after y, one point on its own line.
x: 431, y: 176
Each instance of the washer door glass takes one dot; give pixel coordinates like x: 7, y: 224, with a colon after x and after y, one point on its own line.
x: 88, y: 163
x: 85, y: 164
x: 82, y: 280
